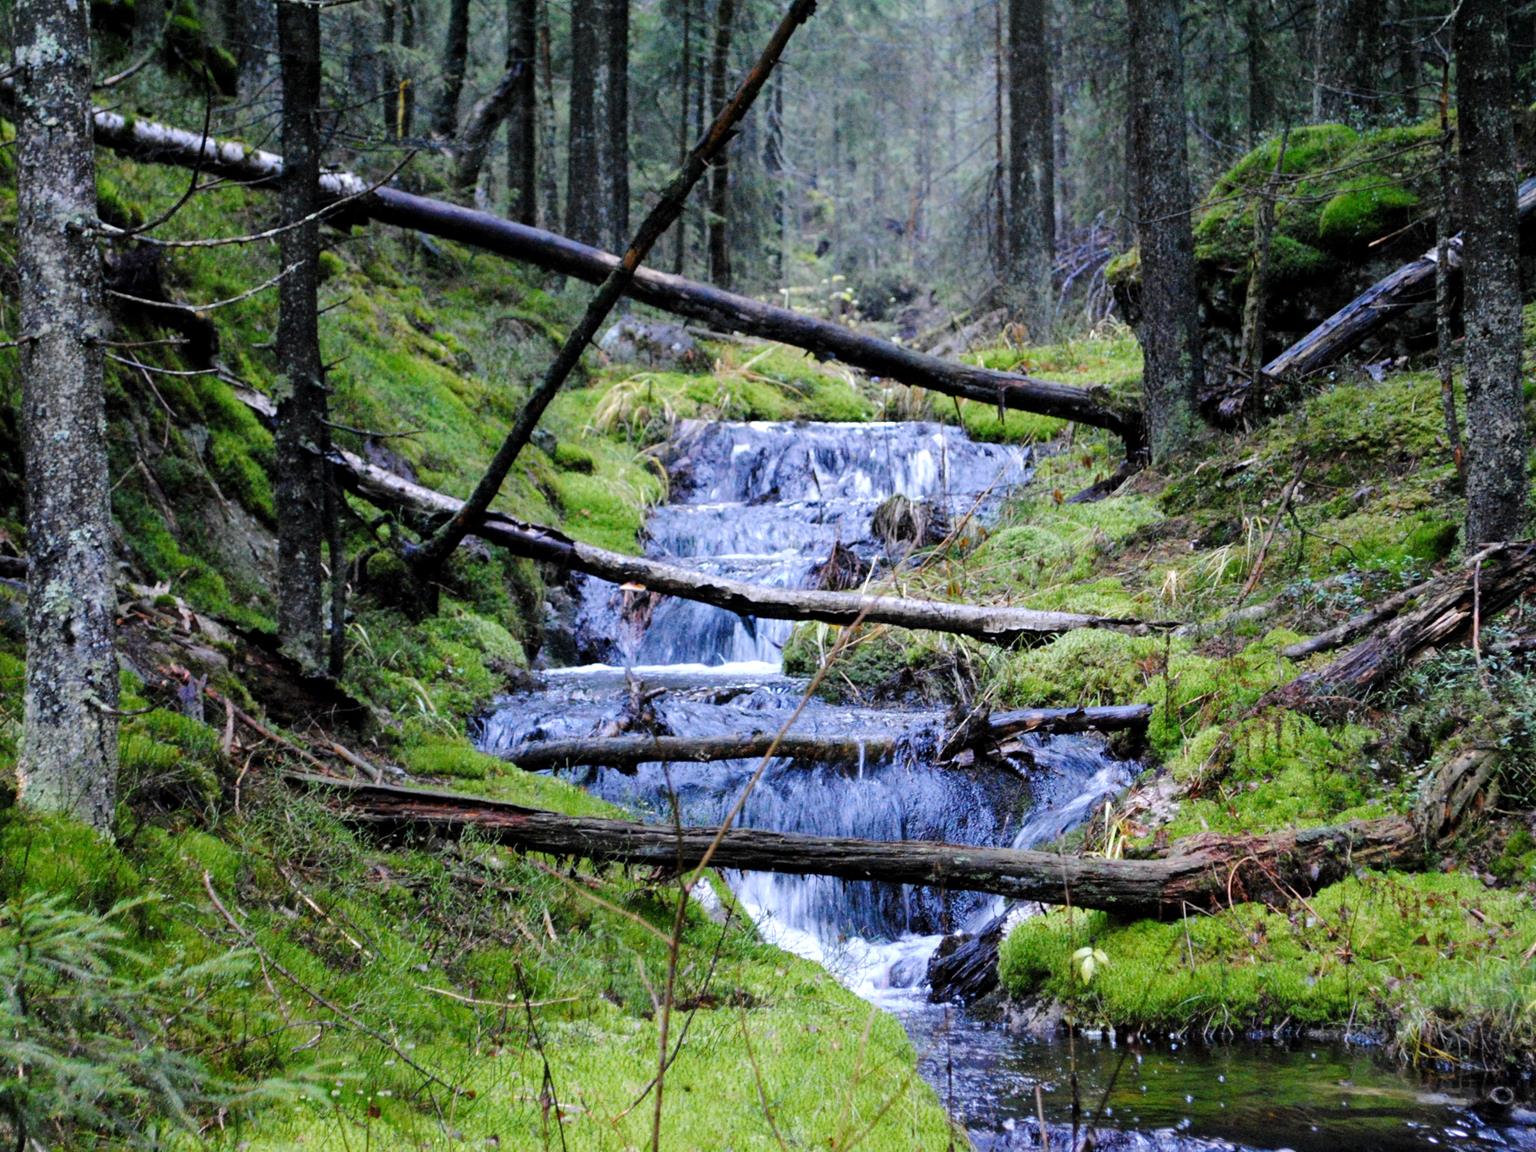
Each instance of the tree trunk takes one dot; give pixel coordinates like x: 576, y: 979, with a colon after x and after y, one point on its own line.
x: 151, y: 142
x: 616, y: 122
x: 522, y: 123
x: 445, y: 117
x: 1169, y: 330
x: 474, y: 138
x: 680, y: 233
x: 1346, y: 75
x: 257, y: 54
x: 1444, y: 302
x: 1204, y: 872
x: 1410, y: 60
x: 405, y: 104
x: 778, y: 179
x: 584, y: 189
x: 720, y: 171
x: 69, y: 734
x: 1031, y: 215
x: 389, y: 72
x: 549, y: 171
x: 1497, y: 442
x: 300, y: 433
x: 1260, y: 104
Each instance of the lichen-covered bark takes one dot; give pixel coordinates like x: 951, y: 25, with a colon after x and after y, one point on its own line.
x: 300, y: 432
x: 1496, y: 434
x: 445, y: 117
x: 522, y: 123
x: 255, y: 49
x: 584, y: 203
x: 1031, y: 231
x: 1170, y: 323
x: 69, y: 738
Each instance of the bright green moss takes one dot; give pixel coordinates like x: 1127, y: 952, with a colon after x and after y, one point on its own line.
x: 1364, y: 210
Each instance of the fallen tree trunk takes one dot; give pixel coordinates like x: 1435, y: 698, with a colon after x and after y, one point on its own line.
x: 629, y: 751
x: 998, y: 624
x: 1346, y: 328
x: 1341, y: 634
x: 1449, y: 608
x: 1207, y: 871
x: 355, y: 201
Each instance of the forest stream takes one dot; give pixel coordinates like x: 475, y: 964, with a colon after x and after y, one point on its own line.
x: 769, y: 503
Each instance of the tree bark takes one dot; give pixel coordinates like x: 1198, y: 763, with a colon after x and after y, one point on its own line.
x: 69, y: 733
x: 151, y: 142
x: 405, y: 109
x: 300, y: 432
x: 616, y: 122
x: 1205, y: 871
x: 549, y: 171
x: 680, y: 235
x: 720, y: 170
x: 1345, y: 75
x: 256, y: 53
x: 445, y: 117
x: 1497, y: 441
x: 584, y: 189
x: 522, y: 124
x: 1169, y: 330
x: 1031, y: 211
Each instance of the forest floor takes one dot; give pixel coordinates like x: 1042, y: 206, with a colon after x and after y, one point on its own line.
x: 418, y: 994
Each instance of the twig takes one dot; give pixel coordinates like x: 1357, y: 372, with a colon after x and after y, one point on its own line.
x: 196, y: 308
x: 1285, y: 502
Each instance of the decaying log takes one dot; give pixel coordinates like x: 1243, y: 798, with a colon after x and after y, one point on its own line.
x: 1488, y: 583
x: 998, y: 624
x: 1205, y: 871
x: 357, y: 201
x: 629, y: 751
x: 1346, y: 328
x: 1355, y: 626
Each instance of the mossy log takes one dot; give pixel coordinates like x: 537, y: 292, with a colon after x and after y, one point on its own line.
x: 1351, y: 324
x: 1205, y: 871
x: 354, y: 200
x: 998, y: 624
x: 1448, y: 610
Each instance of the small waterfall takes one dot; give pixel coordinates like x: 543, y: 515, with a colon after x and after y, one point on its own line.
x: 767, y: 502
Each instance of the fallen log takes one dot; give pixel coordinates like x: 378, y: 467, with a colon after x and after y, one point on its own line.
x: 354, y: 201
x: 1351, y: 324
x: 1449, y: 608
x: 998, y: 624
x: 629, y: 751
x: 1206, y: 871
x: 1358, y: 624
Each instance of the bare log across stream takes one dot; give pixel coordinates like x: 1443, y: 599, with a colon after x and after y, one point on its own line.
x: 1346, y: 328
x: 628, y: 751
x: 1206, y: 871
x: 355, y: 200
x: 998, y: 624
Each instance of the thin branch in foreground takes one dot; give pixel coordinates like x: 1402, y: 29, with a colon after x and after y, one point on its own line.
x: 196, y: 308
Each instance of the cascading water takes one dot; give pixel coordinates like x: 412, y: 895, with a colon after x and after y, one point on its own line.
x: 768, y: 503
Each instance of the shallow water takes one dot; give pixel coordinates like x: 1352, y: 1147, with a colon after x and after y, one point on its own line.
x: 768, y: 502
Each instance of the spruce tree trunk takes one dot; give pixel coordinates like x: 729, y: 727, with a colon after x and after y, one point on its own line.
x: 549, y: 170
x: 300, y: 433
x: 1497, y: 442
x: 389, y: 73
x: 522, y: 123
x: 1031, y: 209
x: 1169, y: 330
x: 584, y: 185
x: 1260, y: 94
x: 616, y: 123
x: 1346, y: 59
x: 445, y: 118
x: 256, y: 52
x: 720, y: 172
x: 69, y: 736
x: 774, y: 169
x: 405, y: 103
x: 680, y: 232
